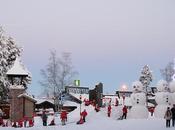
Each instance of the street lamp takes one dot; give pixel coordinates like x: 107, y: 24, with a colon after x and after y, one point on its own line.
x: 123, y: 88
x: 80, y: 104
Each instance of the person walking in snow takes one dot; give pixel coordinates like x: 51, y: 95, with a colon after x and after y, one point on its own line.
x: 173, y: 114
x: 44, y: 118
x: 80, y: 121
x: 168, y: 116
x: 63, y: 117
x: 109, y: 110
x: 84, y: 114
x: 125, y: 111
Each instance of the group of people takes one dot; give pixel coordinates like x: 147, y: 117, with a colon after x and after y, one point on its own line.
x: 63, y: 117
x: 19, y: 123
x: 170, y: 115
x: 124, y: 110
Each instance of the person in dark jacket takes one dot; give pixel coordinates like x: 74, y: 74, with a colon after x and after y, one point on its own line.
x: 173, y: 114
x: 44, y: 118
x: 168, y: 116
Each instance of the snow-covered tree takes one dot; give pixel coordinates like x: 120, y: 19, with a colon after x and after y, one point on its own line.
x: 9, y: 51
x: 58, y: 73
x: 146, y: 77
x: 168, y: 72
x: 19, y: 69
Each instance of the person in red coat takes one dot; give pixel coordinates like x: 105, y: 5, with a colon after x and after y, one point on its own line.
x: 84, y: 114
x: 125, y: 111
x: 63, y: 117
x: 80, y: 121
x: 109, y: 110
x: 20, y: 123
x: 31, y: 123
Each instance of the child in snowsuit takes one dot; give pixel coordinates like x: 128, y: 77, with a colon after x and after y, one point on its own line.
x: 20, y: 123
x: 124, y: 112
x: 25, y: 121
x: 109, y: 110
x: 84, y: 114
x: 168, y: 116
x: 80, y: 121
x: 63, y: 117
x: 44, y: 118
x: 31, y: 123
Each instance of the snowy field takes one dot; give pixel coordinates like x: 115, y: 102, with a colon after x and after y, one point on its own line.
x: 99, y: 121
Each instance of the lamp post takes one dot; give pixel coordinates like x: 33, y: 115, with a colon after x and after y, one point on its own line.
x: 123, y: 98
x: 123, y: 88
x: 80, y: 104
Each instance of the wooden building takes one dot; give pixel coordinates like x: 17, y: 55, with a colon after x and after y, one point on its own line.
x: 21, y: 104
x: 96, y: 94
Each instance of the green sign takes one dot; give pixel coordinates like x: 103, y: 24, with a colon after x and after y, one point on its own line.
x: 77, y: 82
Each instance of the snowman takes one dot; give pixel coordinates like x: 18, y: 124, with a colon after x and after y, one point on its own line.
x: 163, y: 99
x: 138, y: 99
x: 172, y: 90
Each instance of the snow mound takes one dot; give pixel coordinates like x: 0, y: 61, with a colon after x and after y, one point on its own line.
x: 138, y: 112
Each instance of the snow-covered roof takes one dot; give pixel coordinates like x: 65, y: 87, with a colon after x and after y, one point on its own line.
x: 70, y: 103
x: 41, y: 100
x: 17, y: 87
x: 18, y: 69
x: 83, y: 96
x: 26, y: 95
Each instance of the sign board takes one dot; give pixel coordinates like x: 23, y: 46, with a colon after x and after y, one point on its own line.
x: 77, y: 82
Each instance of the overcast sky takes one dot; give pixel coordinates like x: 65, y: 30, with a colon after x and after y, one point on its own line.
x: 110, y: 40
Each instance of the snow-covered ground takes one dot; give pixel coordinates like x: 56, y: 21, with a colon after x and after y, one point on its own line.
x: 99, y: 121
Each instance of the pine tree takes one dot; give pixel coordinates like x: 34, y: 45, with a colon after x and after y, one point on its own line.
x: 146, y: 76
x: 9, y: 51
